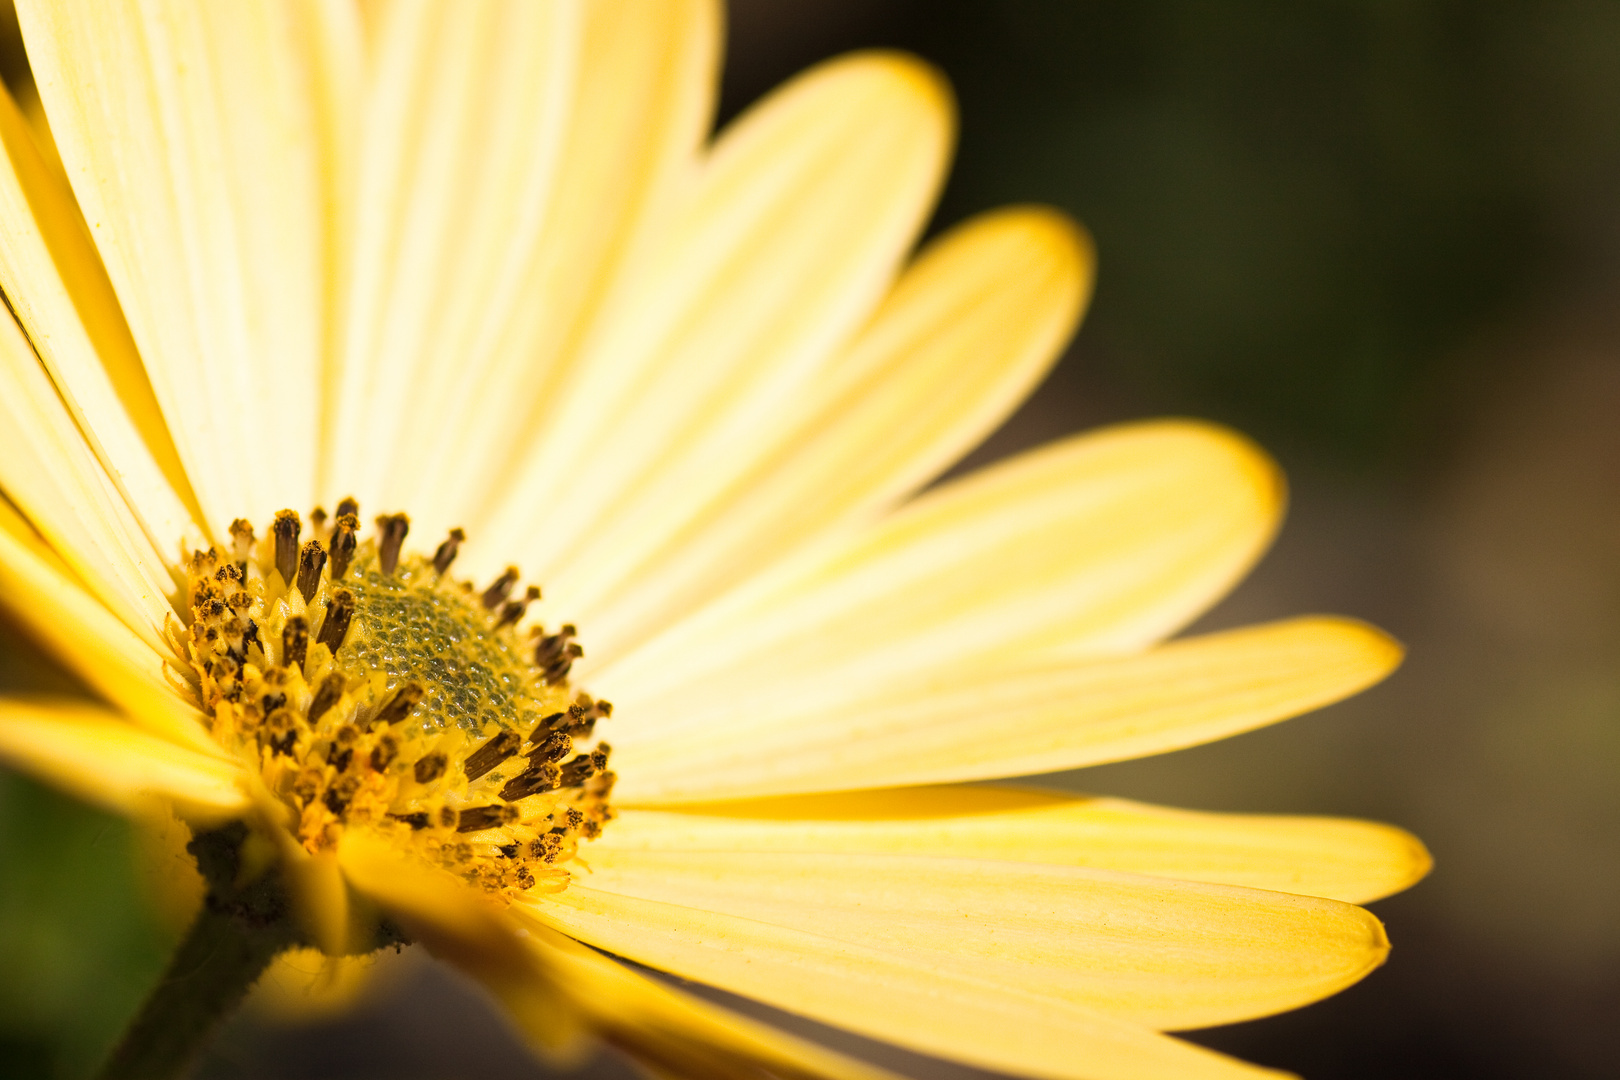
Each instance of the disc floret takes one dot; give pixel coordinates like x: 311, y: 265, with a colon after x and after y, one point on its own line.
x: 369, y: 688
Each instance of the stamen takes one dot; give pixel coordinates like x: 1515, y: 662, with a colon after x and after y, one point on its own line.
x: 330, y: 690
x: 430, y: 768
x: 285, y: 529
x: 348, y: 505
x: 317, y: 522
x: 392, y: 528
x: 242, y: 543
x: 555, y: 655
x: 502, y: 586
x: 294, y: 641
x: 478, y: 818
x: 447, y: 551
x: 343, y: 544
x: 491, y: 754
x: 338, y: 614
x: 513, y: 610
x: 399, y: 705
x: 310, y: 565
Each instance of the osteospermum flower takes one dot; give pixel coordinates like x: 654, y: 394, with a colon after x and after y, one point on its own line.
x: 476, y: 269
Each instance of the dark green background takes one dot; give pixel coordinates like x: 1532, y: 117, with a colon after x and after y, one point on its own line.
x: 1381, y: 237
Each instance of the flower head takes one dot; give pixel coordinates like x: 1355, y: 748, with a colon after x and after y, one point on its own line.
x: 477, y: 267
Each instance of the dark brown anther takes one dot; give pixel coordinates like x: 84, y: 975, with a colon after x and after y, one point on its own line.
x: 295, y: 642
x: 285, y: 530
x: 513, y: 610
x: 578, y: 770
x: 447, y: 551
x: 242, y: 543
x: 384, y: 753
x: 310, y: 565
x: 399, y: 705
x: 491, y: 754
x: 501, y: 588
x: 282, y: 727
x: 430, y: 768
x: 343, y: 544
x: 508, y: 851
x: 478, y: 818
x: 336, y: 625
x: 554, y: 748
x: 317, y: 522
x: 326, y: 696
x: 532, y: 781
x: 416, y: 821
x: 546, y: 726
x: 555, y: 655
x: 557, y: 671
x: 349, y: 506
x: 391, y: 530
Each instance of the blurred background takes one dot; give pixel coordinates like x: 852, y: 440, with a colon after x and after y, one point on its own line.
x: 1384, y: 239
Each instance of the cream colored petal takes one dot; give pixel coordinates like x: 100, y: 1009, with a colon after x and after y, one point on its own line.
x: 1100, y: 544
x: 49, y: 472
x: 1004, y: 717
x: 628, y: 128
x: 966, y: 332
x: 59, y: 292
x: 197, y: 138
x: 1152, y: 951
x: 465, y: 115
x: 883, y: 994
x: 87, y: 639
x: 1339, y: 858
x: 96, y: 756
x: 784, y: 245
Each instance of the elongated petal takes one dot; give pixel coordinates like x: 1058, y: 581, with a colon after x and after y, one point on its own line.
x: 882, y: 994
x: 98, y: 757
x: 50, y: 473
x: 1013, y: 718
x: 200, y: 141
x: 962, y: 337
x: 636, y: 111
x: 1339, y: 858
x: 465, y: 113
x: 57, y: 288
x: 1100, y: 544
x: 785, y: 244
x: 1153, y: 951
x: 87, y: 639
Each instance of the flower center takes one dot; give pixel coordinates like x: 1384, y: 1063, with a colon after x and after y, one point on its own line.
x: 371, y: 689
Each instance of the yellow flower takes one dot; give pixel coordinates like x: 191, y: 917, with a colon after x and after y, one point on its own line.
x: 478, y: 263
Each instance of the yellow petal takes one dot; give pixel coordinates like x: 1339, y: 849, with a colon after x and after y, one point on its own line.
x: 199, y: 140
x: 87, y: 639
x: 1101, y: 544
x: 884, y: 994
x: 1339, y: 858
x: 1007, y: 718
x: 465, y: 113
x: 1152, y: 951
x: 679, y: 1033
x: 96, y: 756
x: 57, y: 288
x: 968, y: 329
x: 512, y: 301
x: 785, y: 244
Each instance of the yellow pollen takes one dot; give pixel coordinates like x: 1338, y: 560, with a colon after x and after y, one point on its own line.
x: 371, y: 689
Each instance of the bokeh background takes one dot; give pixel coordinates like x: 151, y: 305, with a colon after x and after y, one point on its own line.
x: 1382, y: 237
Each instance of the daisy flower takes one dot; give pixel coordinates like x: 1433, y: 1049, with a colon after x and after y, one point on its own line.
x: 478, y: 269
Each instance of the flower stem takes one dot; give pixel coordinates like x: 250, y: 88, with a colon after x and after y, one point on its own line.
x: 211, y: 971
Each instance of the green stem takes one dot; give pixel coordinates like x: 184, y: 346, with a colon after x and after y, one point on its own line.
x: 220, y: 958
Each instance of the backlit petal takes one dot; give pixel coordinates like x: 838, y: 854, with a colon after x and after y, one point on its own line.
x: 784, y: 245
x: 885, y: 995
x: 1162, y: 953
x: 1339, y: 858
x: 100, y: 758
x: 201, y: 141
x: 1100, y: 544
x: 1007, y: 717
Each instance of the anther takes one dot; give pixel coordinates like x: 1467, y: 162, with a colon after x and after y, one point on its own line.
x: 513, y: 610
x: 295, y: 641
x: 392, y: 528
x: 317, y: 522
x: 478, y: 818
x: 285, y: 530
x: 336, y: 625
x: 555, y: 655
x: 242, y: 543
x: 384, y: 753
x: 343, y: 544
x: 533, y: 780
x: 416, y: 821
x: 491, y: 754
x: 430, y: 768
x: 447, y: 551
x: 399, y: 705
x: 326, y: 696
x: 501, y: 588
x: 310, y: 565
x: 349, y: 506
